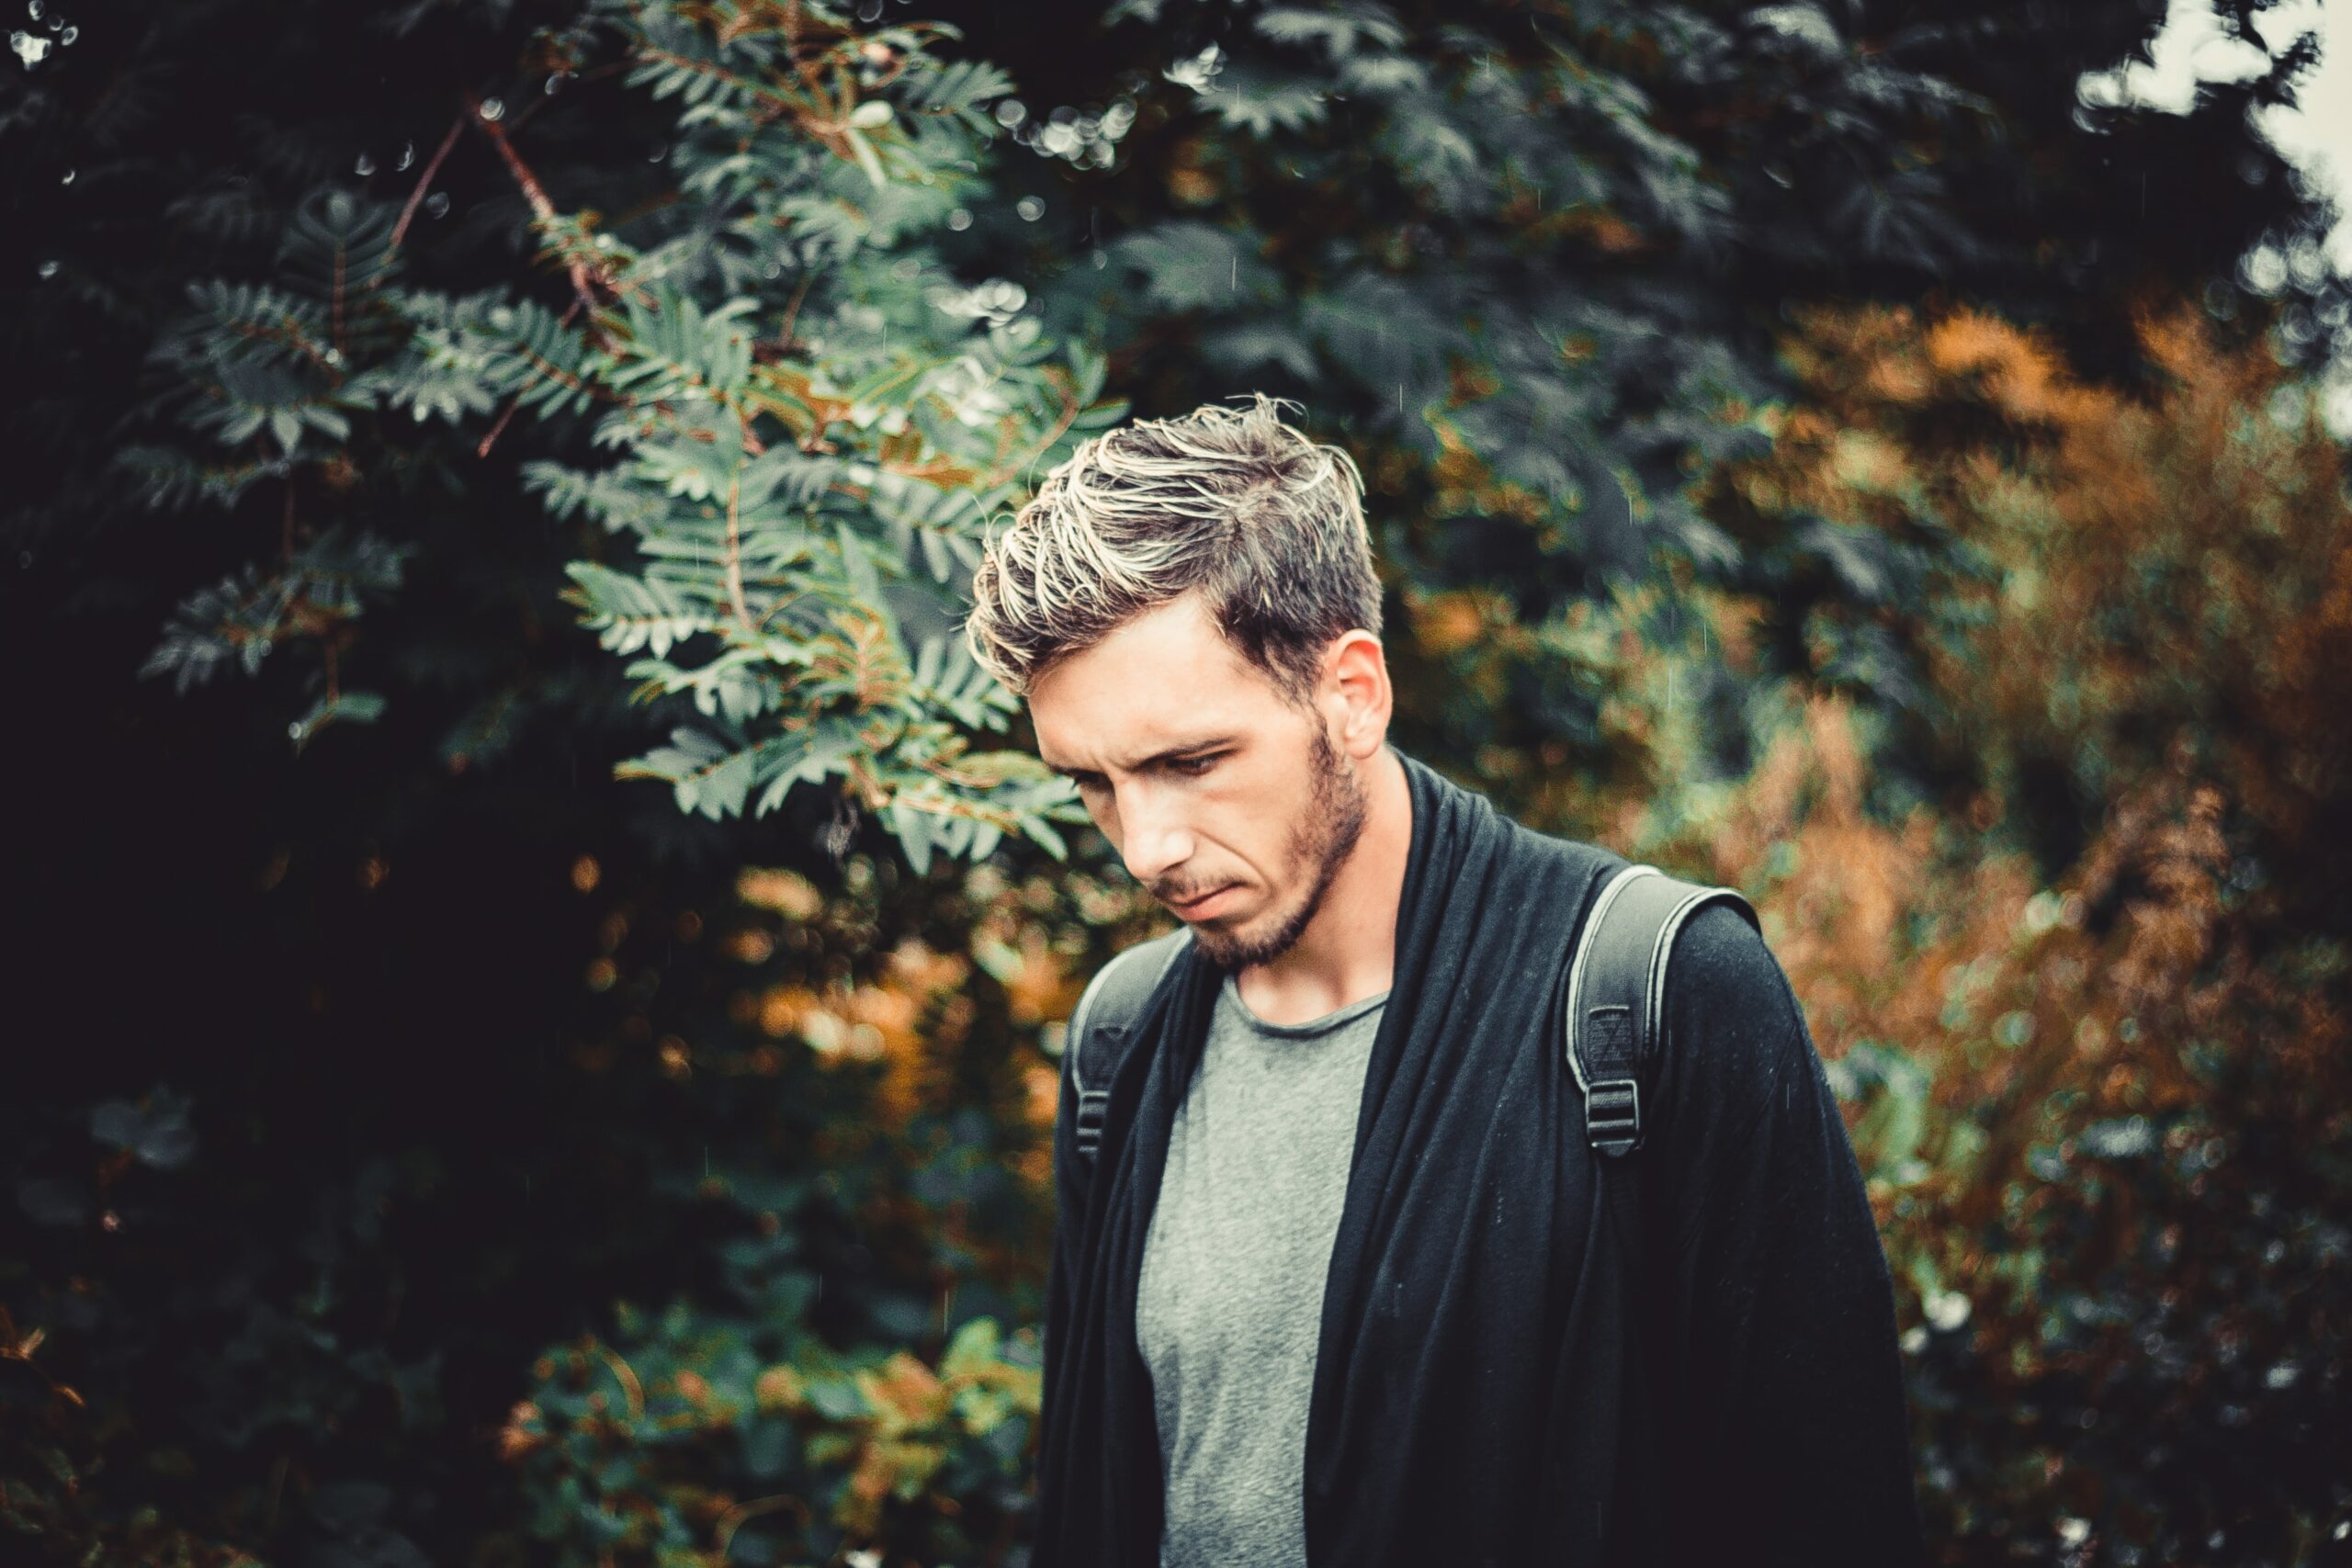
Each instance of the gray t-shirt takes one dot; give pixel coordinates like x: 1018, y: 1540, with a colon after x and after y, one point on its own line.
x: 1229, y: 1306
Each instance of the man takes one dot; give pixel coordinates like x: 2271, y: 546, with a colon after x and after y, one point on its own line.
x: 1337, y: 1289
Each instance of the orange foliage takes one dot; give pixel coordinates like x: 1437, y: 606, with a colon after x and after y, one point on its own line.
x: 2146, y: 597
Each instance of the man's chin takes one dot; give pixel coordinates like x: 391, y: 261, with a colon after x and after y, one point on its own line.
x: 1220, y: 949
x: 1237, y: 943
x: 1213, y: 934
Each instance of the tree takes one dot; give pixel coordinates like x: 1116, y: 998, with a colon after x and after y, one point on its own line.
x: 406, y: 1097
x: 376, y: 948
x: 1531, y: 263
x: 2089, y: 1000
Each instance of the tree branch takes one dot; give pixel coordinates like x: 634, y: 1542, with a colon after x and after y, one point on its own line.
x: 425, y: 181
x: 536, y: 194
x: 498, y: 428
x: 735, y: 553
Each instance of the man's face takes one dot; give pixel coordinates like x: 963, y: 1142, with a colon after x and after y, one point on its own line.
x: 1228, y: 803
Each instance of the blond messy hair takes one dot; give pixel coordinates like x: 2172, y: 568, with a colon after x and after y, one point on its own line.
x: 1267, y: 525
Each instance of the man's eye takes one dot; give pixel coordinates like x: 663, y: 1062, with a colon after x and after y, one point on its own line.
x: 1193, y: 767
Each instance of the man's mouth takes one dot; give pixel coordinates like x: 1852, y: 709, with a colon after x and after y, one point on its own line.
x: 1200, y: 903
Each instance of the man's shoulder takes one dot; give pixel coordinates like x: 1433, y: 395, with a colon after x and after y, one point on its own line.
x: 1721, y: 940
x: 1150, y: 954
x: 1559, y: 857
x: 1118, y: 989
x: 1719, y: 965
x: 1721, y: 959
x: 1737, y: 1044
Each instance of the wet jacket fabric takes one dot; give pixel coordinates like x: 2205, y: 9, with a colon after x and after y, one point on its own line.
x: 1502, y: 1376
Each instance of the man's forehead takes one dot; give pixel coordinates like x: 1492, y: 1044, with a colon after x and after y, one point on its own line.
x: 1161, y: 684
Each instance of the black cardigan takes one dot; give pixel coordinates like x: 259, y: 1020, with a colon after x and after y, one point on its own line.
x: 1501, y: 1378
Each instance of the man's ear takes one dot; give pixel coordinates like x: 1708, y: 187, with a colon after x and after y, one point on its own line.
x: 1357, y: 696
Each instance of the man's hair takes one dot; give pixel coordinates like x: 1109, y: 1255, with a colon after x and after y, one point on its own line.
x: 1267, y: 525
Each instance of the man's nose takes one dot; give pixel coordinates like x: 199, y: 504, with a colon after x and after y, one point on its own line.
x: 1154, y: 840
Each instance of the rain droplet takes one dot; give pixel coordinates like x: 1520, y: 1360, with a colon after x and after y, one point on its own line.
x: 494, y: 108
x: 48, y: 270
x: 554, y: 81
x: 30, y: 50
x: 1030, y: 208
x: 68, y: 179
x: 1101, y: 261
x: 408, y: 155
x: 870, y: 12
x: 69, y: 35
x: 660, y: 151
x: 1010, y: 112
x: 365, y: 167
x: 436, y: 204
x: 959, y: 219
x: 56, y: 23
x: 294, y: 731
x: 34, y: 9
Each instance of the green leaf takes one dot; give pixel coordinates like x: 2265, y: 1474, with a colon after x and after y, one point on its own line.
x: 862, y: 149
x: 857, y: 566
x: 916, y: 832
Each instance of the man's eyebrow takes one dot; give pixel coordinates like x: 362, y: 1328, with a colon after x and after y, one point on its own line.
x: 1166, y: 753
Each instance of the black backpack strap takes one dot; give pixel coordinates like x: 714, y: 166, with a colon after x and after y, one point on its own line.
x: 1099, y: 1027
x: 1615, y: 1023
x: 1616, y: 1003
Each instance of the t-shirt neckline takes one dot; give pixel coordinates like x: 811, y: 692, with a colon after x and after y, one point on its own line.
x: 1231, y: 991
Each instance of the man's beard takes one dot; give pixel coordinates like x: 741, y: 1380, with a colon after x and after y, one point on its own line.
x: 1323, y: 837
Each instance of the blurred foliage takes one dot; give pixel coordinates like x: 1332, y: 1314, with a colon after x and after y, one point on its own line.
x: 1809, y: 452
x: 825, y: 1153
x: 790, y: 1408
x: 1531, y: 267
x: 2089, y: 1003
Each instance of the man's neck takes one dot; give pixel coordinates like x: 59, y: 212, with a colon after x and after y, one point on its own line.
x: 1348, y: 951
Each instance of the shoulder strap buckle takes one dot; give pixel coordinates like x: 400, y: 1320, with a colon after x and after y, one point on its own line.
x: 1616, y: 999
x: 1092, y: 1105
x: 1612, y: 1116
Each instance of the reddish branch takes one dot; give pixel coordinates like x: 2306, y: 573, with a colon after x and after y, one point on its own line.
x: 792, y: 315
x: 499, y: 428
x: 535, y: 193
x: 425, y: 181
x: 553, y: 372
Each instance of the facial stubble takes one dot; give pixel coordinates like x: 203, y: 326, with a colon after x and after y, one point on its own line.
x: 1323, y: 835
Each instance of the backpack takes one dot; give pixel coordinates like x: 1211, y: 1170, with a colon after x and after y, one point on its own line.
x: 1615, y: 1013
